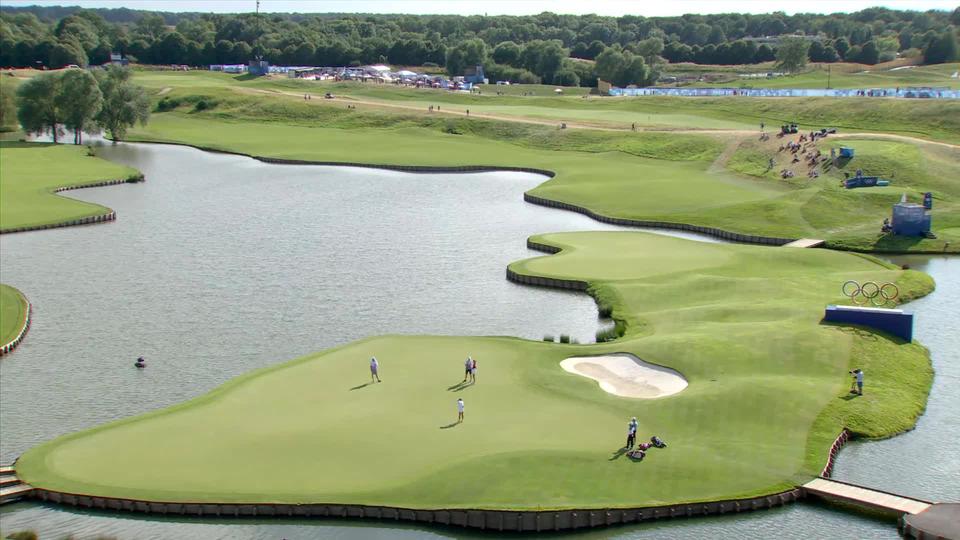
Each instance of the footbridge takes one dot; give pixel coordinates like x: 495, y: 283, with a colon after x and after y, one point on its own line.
x: 872, y: 498
x: 918, y: 518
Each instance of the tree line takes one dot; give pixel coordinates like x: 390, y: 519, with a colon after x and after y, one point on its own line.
x: 79, y: 101
x: 552, y: 47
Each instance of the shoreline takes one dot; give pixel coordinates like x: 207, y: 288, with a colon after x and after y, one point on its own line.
x: 96, y: 218
x: 542, y: 201
x: 8, y: 348
x: 497, y: 520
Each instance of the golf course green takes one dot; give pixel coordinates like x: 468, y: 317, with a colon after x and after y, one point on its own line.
x: 13, y: 313
x: 30, y: 172
x: 766, y: 396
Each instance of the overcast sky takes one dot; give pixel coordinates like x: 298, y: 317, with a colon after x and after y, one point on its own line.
x: 505, y: 7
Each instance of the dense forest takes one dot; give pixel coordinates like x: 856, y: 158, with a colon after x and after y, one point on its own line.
x: 549, y: 48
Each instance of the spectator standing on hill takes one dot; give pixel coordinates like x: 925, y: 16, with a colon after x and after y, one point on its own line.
x: 459, y: 410
x: 374, y: 369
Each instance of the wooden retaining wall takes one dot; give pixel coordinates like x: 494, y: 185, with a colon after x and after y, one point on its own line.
x: 710, y: 231
x: 9, y: 347
x: 834, y: 450
x: 496, y: 520
x: 403, y: 168
x: 101, y: 218
x: 568, y: 284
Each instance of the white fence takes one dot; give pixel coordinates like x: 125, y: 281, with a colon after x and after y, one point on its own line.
x: 904, y: 92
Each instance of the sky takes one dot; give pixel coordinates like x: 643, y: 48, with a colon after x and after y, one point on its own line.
x: 647, y: 8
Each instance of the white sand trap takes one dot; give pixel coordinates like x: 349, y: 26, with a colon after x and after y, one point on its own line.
x: 626, y: 375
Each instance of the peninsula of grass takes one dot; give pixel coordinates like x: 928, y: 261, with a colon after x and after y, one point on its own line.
x: 652, y: 176
x: 766, y: 396
x: 30, y: 172
x: 13, y: 313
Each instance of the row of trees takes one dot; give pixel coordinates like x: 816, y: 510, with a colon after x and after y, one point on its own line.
x: 549, y: 62
x: 936, y: 48
x: 59, y: 36
x: 80, y: 100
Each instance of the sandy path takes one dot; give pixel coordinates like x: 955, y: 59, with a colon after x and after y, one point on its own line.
x: 626, y: 375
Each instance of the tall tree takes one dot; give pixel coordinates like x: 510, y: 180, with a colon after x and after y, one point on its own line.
x: 79, y: 99
x: 792, y: 54
x: 467, y: 53
x: 8, y: 107
x: 507, y: 53
x: 869, y: 53
x: 942, y: 49
x: 124, y: 103
x: 37, y: 107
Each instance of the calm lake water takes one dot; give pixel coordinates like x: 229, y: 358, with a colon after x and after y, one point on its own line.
x: 222, y: 264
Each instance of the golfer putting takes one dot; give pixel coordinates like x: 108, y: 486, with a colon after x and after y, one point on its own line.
x: 632, y: 432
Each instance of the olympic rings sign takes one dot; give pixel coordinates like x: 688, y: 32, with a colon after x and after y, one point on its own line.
x: 870, y: 292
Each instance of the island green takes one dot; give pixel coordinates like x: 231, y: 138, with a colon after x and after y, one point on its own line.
x: 765, y: 398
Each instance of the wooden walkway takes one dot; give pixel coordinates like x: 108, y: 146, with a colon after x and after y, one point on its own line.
x: 805, y: 243
x: 11, y: 487
x: 832, y: 489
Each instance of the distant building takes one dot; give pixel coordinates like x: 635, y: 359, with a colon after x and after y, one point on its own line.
x: 775, y: 40
x: 474, y: 75
x: 117, y: 59
x: 259, y: 67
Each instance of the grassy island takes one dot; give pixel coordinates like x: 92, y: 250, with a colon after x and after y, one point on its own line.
x: 13, y: 313
x: 766, y: 396
x: 30, y: 172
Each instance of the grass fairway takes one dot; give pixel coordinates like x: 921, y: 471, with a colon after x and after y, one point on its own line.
x: 927, y: 119
x: 13, y: 313
x: 29, y: 172
x: 741, y: 323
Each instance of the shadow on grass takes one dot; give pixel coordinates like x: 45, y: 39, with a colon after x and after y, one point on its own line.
x: 448, y: 426
x: 23, y: 144
x: 848, y: 397
x: 896, y: 242
x: 616, y: 455
x: 460, y: 386
x: 364, y: 385
x: 865, y: 332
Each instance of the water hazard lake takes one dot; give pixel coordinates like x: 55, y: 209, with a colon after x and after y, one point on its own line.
x: 220, y: 264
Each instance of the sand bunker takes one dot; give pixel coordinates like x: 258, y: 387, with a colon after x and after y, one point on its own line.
x: 626, y: 375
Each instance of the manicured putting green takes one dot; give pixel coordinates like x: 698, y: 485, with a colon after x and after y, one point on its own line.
x: 740, y: 323
x: 13, y: 313
x: 29, y: 172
